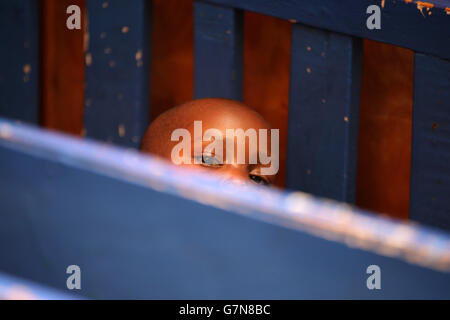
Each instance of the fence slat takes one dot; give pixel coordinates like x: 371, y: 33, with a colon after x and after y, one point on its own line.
x: 323, y: 113
x: 19, y: 57
x: 218, y: 51
x: 430, y: 166
x: 117, y: 71
x: 141, y: 228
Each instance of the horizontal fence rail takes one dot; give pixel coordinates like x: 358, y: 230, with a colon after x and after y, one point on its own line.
x: 406, y: 24
x: 142, y: 228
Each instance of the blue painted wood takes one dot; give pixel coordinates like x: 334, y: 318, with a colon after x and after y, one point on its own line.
x: 117, y: 71
x: 141, y: 228
x: 402, y: 24
x: 19, y: 56
x: 218, y: 51
x: 323, y: 113
x: 430, y: 167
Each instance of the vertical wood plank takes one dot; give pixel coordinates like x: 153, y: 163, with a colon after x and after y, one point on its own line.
x: 218, y: 51
x: 173, y: 56
x: 385, y: 122
x: 267, y: 52
x: 323, y: 113
x: 430, y: 159
x: 62, y: 68
x: 19, y: 57
x: 117, y: 71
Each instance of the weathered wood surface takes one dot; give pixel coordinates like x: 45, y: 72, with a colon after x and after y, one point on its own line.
x: 323, y: 119
x: 19, y: 59
x: 410, y: 24
x: 218, y: 51
x: 430, y: 158
x: 62, y: 67
x: 117, y: 72
x: 140, y: 228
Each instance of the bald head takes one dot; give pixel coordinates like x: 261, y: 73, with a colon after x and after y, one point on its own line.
x: 214, y: 113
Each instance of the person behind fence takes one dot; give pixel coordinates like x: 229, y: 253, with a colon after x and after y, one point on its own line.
x: 222, y: 135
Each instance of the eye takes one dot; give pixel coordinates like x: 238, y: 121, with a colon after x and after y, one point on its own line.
x: 210, y: 161
x: 258, y: 180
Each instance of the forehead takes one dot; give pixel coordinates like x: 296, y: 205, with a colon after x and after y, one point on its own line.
x: 226, y: 118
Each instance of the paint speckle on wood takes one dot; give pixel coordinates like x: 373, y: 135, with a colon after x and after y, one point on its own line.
x: 86, y: 34
x: 26, y: 71
x: 424, y: 4
x: 421, y: 5
x: 88, y: 59
x: 139, y: 55
x: 27, y: 68
x: 139, y: 62
x: 86, y: 41
x: 121, y: 130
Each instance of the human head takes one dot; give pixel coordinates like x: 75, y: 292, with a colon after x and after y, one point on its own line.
x: 222, y: 115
